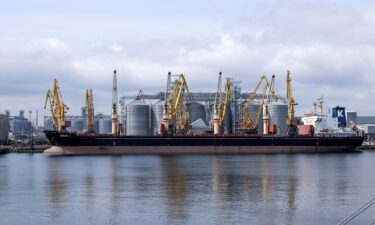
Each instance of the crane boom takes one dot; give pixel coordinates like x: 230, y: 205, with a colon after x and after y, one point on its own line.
x: 176, y: 114
x: 227, y: 99
x: 221, y: 104
x: 90, y: 112
x: 114, y: 104
x: 271, y: 97
x: 216, y: 119
x: 57, y: 107
x: 291, y: 122
x: 249, y: 122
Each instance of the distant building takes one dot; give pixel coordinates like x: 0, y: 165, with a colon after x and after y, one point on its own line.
x: 19, y: 124
x: 4, y: 129
x: 365, y: 123
x: 78, y: 123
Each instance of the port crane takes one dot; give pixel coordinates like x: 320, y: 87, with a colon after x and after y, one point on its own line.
x: 292, y: 129
x: 271, y: 97
x: 175, y: 114
x: 57, y: 107
x: 89, y: 103
x: 249, y: 123
x: 114, y: 104
x: 222, y: 101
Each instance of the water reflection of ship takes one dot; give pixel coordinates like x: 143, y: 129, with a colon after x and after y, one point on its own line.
x: 252, y: 185
x: 174, y: 177
x: 56, y: 188
x: 224, y: 186
x: 117, y: 182
x: 89, y: 186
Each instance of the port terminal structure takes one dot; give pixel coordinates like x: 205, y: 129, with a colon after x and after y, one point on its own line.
x: 224, y: 112
x: 175, y: 134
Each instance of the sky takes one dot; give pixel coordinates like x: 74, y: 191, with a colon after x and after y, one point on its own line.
x: 329, y: 47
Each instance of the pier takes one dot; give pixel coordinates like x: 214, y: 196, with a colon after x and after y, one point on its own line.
x: 23, y: 149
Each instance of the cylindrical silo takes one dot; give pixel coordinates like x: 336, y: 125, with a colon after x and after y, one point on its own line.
x: 156, y: 115
x: 77, y: 125
x: 279, y: 115
x: 97, y: 125
x: 227, y: 124
x: 196, y: 111
x: 105, y: 125
x: 137, y: 118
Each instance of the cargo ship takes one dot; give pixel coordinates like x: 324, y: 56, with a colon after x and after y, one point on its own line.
x: 84, y: 144
x: 174, y: 135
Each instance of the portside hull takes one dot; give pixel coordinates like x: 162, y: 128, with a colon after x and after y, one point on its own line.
x: 175, y: 150
x: 73, y: 144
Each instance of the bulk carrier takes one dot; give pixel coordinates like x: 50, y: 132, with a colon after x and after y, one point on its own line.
x: 174, y: 136
x: 74, y: 144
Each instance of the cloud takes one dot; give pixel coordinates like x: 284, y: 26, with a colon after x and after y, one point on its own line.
x: 328, y: 46
x: 338, y: 72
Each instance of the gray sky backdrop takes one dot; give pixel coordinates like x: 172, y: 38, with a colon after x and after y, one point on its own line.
x: 328, y: 45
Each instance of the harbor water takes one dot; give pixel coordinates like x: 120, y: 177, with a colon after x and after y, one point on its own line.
x: 196, y: 189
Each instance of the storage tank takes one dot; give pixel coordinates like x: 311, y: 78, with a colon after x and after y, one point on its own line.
x: 137, y: 118
x: 97, y: 125
x: 196, y: 111
x: 105, y: 126
x: 77, y: 125
x: 156, y: 115
x: 278, y: 116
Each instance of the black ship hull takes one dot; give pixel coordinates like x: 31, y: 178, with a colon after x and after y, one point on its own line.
x: 73, y: 144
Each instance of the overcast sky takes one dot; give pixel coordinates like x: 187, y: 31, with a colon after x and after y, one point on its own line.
x: 329, y: 46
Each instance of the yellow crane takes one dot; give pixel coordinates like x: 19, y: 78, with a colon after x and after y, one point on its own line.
x: 221, y: 104
x: 249, y: 123
x: 175, y: 115
x: 57, y: 107
x: 90, y: 124
x: 292, y: 129
x: 271, y: 97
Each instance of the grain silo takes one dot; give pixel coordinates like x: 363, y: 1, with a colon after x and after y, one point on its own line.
x: 279, y: 115
x: 77, y: 125
x: 105, y: 125
x: 156, y: 115
x: 227, y: 124
x: 196, y: 111
x: 137, y: 118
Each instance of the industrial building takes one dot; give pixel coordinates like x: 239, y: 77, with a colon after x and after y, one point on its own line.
x: 78, y: 123
x: 142, y: 114
x: 4, y: 129
x: 19, y: 125
x: 364, y: 123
